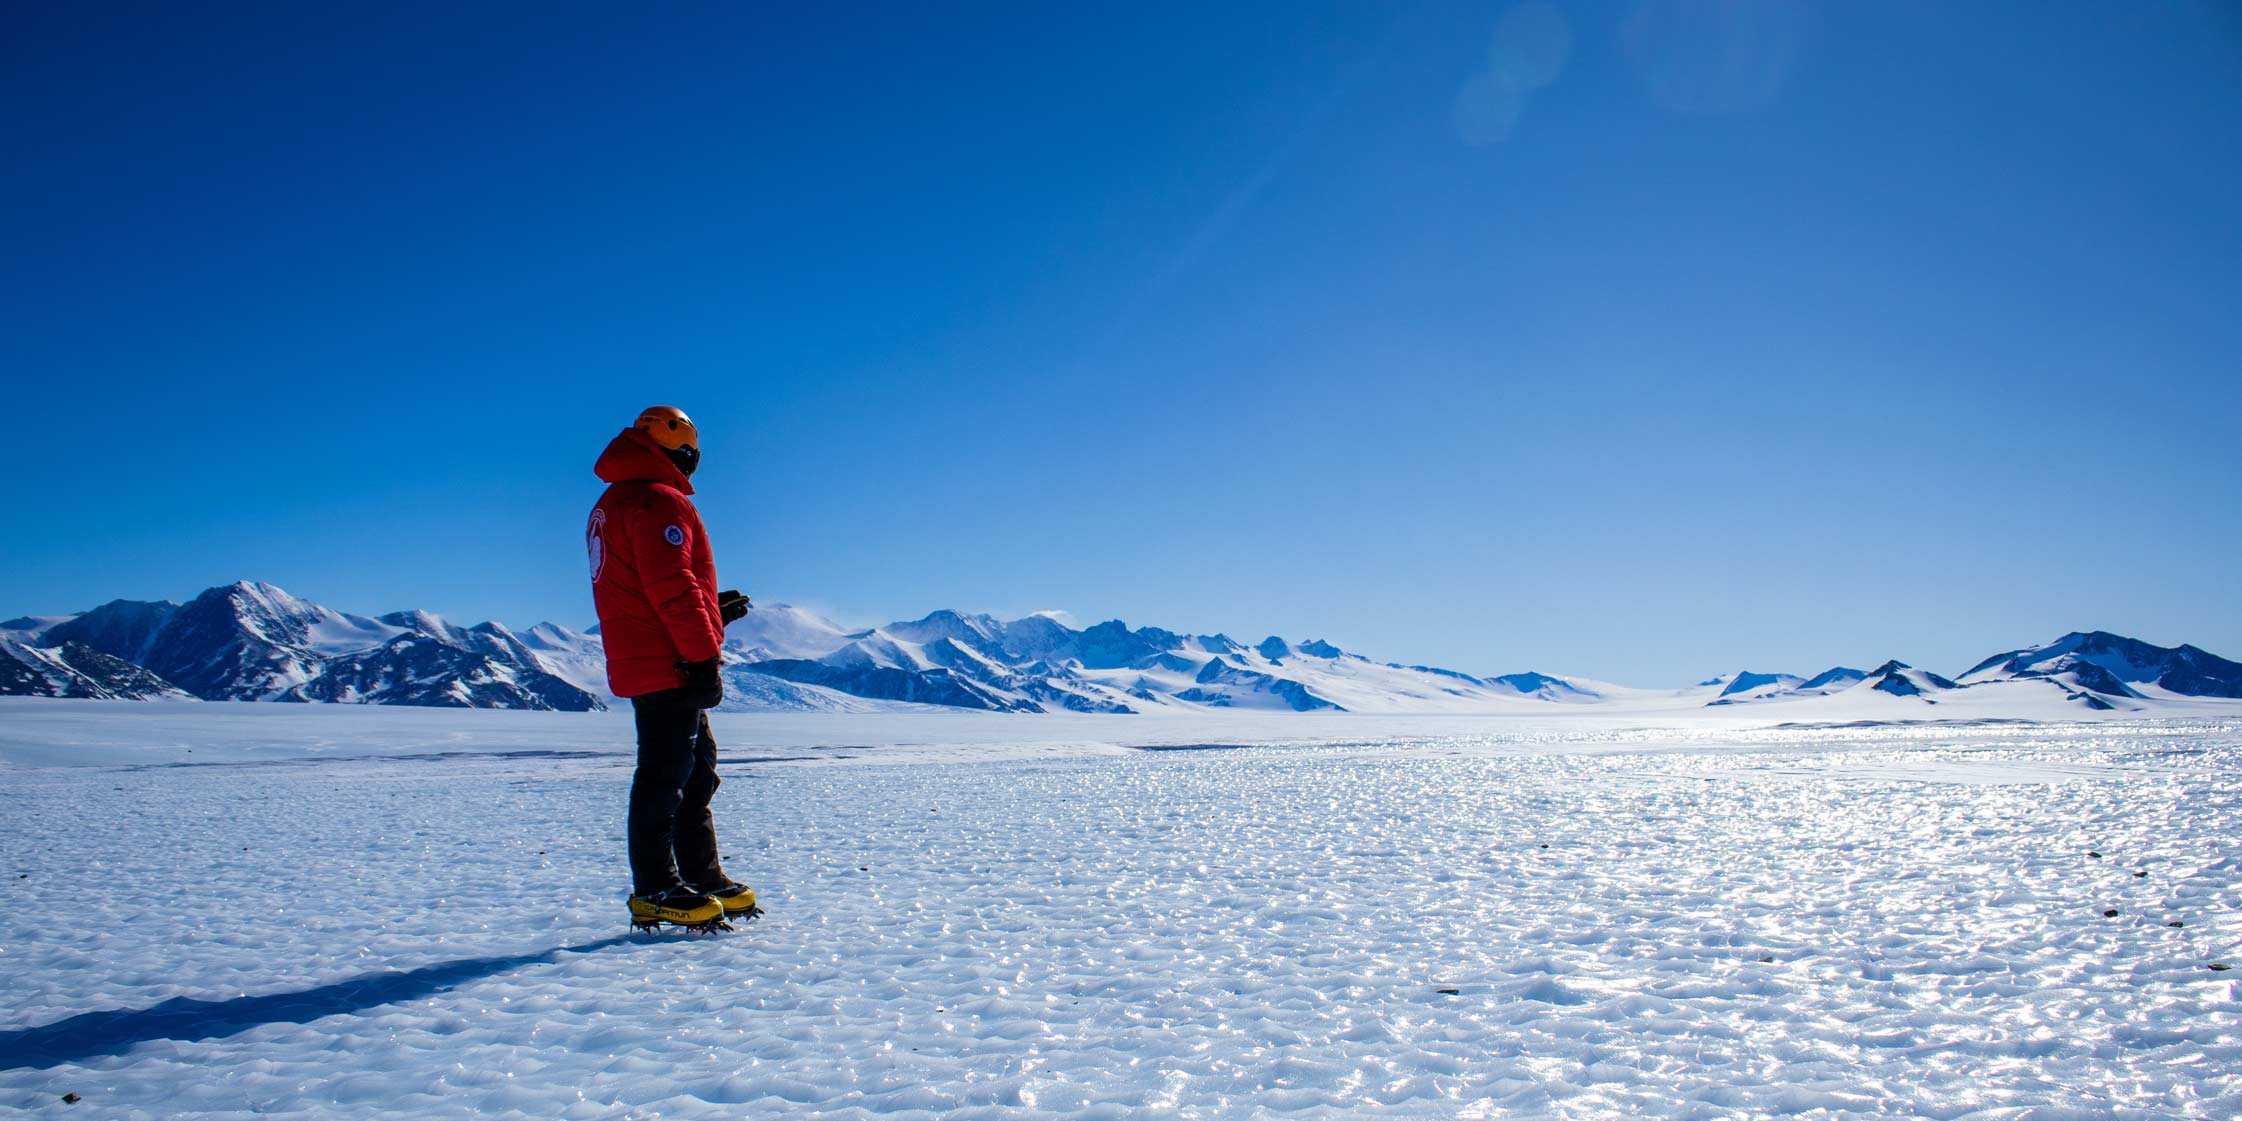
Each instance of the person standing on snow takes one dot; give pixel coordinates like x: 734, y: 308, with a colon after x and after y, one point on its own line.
x: 661, y: 621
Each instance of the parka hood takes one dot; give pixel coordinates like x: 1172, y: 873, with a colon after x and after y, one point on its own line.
x: 633, y: 455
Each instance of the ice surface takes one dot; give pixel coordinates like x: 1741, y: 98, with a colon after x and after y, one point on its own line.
x: 420, y: 915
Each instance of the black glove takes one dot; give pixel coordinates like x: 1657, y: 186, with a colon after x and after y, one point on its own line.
x: 704, y: 684
x: 731, y: 605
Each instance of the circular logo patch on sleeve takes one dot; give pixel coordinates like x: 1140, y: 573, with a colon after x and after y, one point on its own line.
x: 675, y: 535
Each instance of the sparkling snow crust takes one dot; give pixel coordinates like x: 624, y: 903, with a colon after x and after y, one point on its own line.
x: 1502, y: 920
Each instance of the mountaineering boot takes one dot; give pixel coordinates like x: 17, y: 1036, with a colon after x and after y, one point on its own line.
x: 737, y: 899
x: 680, y: 905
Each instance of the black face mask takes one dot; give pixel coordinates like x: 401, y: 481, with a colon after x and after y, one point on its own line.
x: 686, y: 458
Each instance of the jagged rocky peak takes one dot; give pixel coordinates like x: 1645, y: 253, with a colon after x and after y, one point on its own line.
x: 1902, y: 680
x: 74, y: 669
x: 120, y: 628
x: 422, y: 622
x: 1041, y: 638
x: 1544, y: 686
x: 1833, y: 677
x: 268, y: 613
x: 1747, y: 681
x: 2113, y: 664
x: 1160, y: 638
x: 973, y: 629
x: 424, y: 670
x: 1112, y: 645
x: 552, y: 636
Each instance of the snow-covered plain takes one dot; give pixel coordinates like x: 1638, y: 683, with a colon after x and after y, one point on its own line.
x: 338, y: 912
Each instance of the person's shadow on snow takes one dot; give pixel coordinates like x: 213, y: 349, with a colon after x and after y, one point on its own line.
x: 91, y: 1034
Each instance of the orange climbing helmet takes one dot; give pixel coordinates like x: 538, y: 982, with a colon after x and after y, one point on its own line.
x: 669, y: 427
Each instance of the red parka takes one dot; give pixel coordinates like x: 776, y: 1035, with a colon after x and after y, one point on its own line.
x: 653, y: 577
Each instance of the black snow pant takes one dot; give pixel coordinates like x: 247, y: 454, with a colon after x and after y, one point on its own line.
x: 672, y: 832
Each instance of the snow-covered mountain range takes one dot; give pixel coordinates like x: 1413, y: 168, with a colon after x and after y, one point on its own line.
x: 2094, y: 671
x: 255, y: 642
x: 252, y: 641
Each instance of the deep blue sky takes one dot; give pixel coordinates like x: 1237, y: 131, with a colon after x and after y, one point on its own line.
x: 1636, y: 340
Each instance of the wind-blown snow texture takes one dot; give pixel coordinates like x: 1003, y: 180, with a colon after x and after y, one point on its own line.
x: 1553, y: 920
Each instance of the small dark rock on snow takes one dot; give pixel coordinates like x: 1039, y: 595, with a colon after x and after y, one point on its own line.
x: 2110, y: 914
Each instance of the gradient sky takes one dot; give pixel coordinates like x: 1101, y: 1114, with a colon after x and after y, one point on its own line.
x: 1638, y: 340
